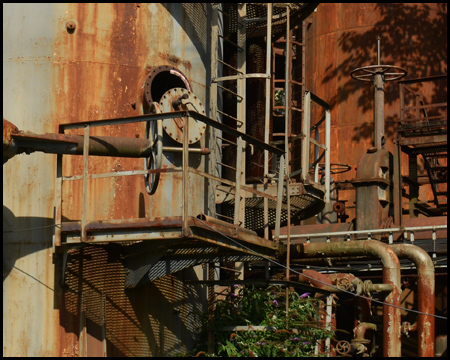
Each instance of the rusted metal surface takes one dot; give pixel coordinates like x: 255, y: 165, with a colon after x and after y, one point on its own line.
x: 391, y: 275
x: 9, y: 129
x: 372, y: 182
x: 73, y: 145
x: 359, y: 341
x: 67, y: 63
x: 315, y: 279
x: 426, y: 295
x: 342, y: 37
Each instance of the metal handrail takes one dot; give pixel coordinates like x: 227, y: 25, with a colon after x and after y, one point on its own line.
x: 241, y: 138
x: 307, y: 140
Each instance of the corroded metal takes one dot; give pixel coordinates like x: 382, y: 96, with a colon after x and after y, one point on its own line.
x: 373, y: 183
x: 73, y: 145
x: 391, y: 275
x: 426, y: 295
x: 67, y: 63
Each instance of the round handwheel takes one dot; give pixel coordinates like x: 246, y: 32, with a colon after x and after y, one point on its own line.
x: 334, y: 168
x: 343, y: 347
x: 154, y: 132
x: 389, y: 72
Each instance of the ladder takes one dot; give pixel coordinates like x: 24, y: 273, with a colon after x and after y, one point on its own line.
x: 294, y: 61
x: 229, y: 81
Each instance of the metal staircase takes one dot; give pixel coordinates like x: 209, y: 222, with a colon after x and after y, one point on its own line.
x: 422, y: 130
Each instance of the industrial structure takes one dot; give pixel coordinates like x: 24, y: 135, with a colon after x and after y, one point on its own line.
x: 155, y: 152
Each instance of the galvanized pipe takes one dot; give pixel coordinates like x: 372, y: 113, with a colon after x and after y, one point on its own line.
x: 391, y: 275
x: 426, y: 292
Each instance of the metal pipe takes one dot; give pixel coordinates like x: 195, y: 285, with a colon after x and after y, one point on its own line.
x: 391, y: 275
x: 73, y: 145
x: 360, y: 342
x: 426, y: 292
x: 316, y: 279
x: 378, y: 83
x: 374, y: 231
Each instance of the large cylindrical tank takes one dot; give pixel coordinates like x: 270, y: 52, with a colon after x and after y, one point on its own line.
x: 65, y: 63
x: 343, y: 37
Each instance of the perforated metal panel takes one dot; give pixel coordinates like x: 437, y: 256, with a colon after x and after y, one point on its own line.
x: 302, y: 206
x: 157, y: 319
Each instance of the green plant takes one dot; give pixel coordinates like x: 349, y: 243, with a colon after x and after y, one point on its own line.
x: 285, y: 335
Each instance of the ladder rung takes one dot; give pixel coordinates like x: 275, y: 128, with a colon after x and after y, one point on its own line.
x: 231, y: 117
x: 228, y: 166
x: 296, y: 82
x: 223, y: 62
x: 441, y: 193
x: 228, y: 141
x: 223, y: 216
x: 231, y: 42
x: 229, y: 16
x: 224, y: 88
x: 434, y: 168
x: 295, y: 109
x: 438, y: 181
x: 232, y: 191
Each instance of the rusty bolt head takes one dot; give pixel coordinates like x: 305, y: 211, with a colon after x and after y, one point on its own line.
x: 70, y: 26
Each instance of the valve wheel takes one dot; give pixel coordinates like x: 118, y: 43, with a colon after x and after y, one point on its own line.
x: 343, y: 347
x: 389, y: 72
x: 334, y: 168
x: 154, y: 132
x: 343, y: 284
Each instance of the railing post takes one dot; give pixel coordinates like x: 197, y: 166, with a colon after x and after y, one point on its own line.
x: 185, y: 184
x: 306, y: 136
x: 327, y: 155
x: 85, y: 181
x: 279, y: 199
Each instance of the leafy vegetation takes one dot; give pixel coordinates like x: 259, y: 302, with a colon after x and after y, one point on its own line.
x: 282, y: 336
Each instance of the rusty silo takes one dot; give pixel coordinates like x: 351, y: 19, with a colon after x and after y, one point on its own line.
x: 171, y: 149
x: 343, y: 37
x: 66, y: 63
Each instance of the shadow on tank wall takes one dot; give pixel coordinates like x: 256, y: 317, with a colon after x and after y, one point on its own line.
x: 413, y: 36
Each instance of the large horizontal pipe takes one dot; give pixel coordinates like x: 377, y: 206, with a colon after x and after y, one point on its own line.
x: 426, y: 293
x: 17, y: 142
x: 391, y: 275
x: 73, y: 145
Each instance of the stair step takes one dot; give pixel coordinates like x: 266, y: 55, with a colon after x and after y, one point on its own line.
x: 438, y: 181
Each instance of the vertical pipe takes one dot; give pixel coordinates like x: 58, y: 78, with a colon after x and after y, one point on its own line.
x: 328, y: 322
x: 237, y: 199
x: 241, y: 109
x: 185, y: 184
x: 267, y: 115
x: 279, y: 200
x: 287, y: 131
x: 213, y: 107
x: 306, y: 135
x: 391, y: 275
x: 327, y: 155
x: 397, y: 191
x: 58, y: 199
x: 378, y: 83
x: 426, y: 295
x: 104, y: 341
x: 211, y: 289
